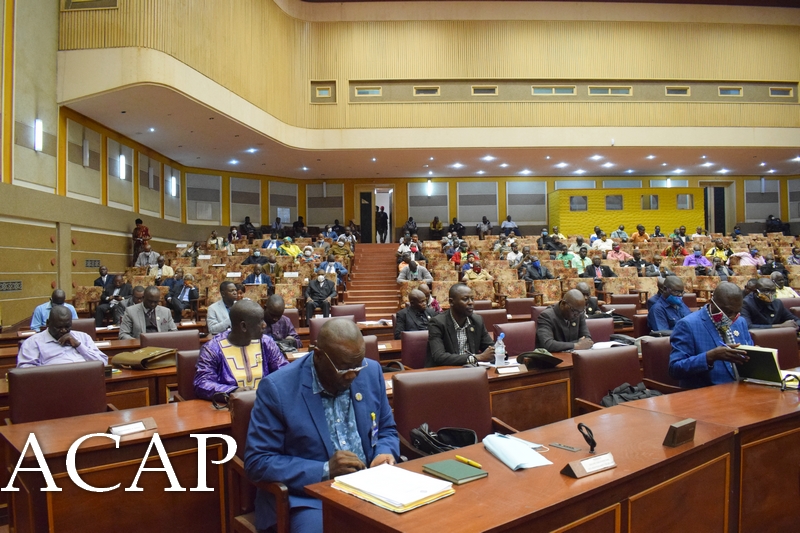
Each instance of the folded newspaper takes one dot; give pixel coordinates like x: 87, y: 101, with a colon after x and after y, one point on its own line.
x: 514, y: 453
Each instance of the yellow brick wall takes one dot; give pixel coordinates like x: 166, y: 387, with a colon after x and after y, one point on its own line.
x: 667, y: 215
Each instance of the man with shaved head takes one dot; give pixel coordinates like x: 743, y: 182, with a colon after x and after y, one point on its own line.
x: 781, y: 289
x: 279, y: 326
x: 592, y: 307
x: 762, y: 311
x: 704, y: 343
x: 669, y: 307
x: 146, y: 317
x: 458, y: 337
x: 562, y: 326
x: 323, y: 416
x: 41, y: 312
x: 415, y: 317
x: 58, y: 344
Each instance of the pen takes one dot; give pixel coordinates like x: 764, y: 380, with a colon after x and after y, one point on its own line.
x: 468, y: 461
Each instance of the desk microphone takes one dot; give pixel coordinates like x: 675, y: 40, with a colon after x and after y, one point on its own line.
x: 588, y: 436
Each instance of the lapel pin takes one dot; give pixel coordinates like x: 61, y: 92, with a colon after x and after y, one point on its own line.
x: 358, y: 397
x: 735, y: 333
x: 471, y: 328
x: 574, y: 324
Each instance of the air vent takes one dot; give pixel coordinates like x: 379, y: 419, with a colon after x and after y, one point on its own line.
x: 92, y: 263
x: 10, y: 286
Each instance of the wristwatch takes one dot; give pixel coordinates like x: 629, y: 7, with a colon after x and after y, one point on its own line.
x: 471, y: 360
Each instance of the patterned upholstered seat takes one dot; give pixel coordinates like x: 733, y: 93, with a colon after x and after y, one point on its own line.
x: 446, y: 275
x: 441, y: 291
x: 546, y: 291
x: 510, y: 289
x: 405, y: 288
x: 484, y: 290
x: 84, y: 295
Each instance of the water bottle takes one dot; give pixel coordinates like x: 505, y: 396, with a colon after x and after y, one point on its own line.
x: 500, y: 351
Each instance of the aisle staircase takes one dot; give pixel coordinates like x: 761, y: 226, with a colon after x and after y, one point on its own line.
x: 373, y: 281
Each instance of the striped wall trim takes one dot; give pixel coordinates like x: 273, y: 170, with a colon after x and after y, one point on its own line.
x: 331, y: 202
x: 282, y: 200
x: 527, y: 199
x: 247, y: 198
x: 477, y: 199
x: 427, y: 201
x: 196, y: 194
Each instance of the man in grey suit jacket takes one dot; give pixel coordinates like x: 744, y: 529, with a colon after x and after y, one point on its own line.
x: 146, y: 317
x: 443, y: 331
x: 218, y: 318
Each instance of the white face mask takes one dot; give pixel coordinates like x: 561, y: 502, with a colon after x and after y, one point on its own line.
x: 307, y: 253
x: 320, y: 278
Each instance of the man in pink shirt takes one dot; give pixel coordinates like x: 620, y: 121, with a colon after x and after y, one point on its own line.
x: 751, y: 258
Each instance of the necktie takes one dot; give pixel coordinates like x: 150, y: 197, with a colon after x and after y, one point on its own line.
x: 184, y: 296
x: 598, y: 272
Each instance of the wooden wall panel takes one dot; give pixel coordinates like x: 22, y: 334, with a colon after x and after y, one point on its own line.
x: 225, y: 40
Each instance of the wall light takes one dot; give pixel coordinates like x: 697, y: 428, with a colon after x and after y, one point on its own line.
x: 763, y: 184
x: 121, y: 167
x: 174, y: 187
x: 85, y: 152
x: 429, y: 188
x: 38, y: 135
x: 669, y: 183
x: 324, y: 189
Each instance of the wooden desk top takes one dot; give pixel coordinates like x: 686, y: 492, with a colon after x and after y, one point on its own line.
x: 506, y: 498
x: 739, y: 405
x: 174, y: 419
x: 122, y: 375
x: 111, y: 345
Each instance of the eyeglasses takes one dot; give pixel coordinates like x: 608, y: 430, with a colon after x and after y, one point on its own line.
x: 342, y: 372
x: 572, y: 310
x: 676, y: 292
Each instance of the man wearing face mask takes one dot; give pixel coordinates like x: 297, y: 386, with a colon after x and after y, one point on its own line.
x: 322, y: 243
x: 332, y: 265
x: 341, y: 249
x: 762, y: 311
x: 669, y: 308
x: 771, y: 265
x: 255, y: 259
x: 534, y: 271
x: 319, y: 294
x: 415, y: 253
x: 476, y: 273
x: 781, y: 289
x: 696, y: 260
x: 562, y: 326
x: 794, y: 259
x: 308, y: 256
x: 751, y: 258
x: 704, y: 343
x: 618, y: 254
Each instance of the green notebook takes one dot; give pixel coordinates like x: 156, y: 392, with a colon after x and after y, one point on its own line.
x: 454, y: 471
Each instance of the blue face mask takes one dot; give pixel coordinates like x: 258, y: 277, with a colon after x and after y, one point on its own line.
x: 674, y: 300
x: 536, y: 264
x: 697, y: 253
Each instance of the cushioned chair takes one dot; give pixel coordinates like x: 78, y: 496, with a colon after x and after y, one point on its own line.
x: 359, y: 311
x: 460, y: 397
x: 595, y: 372
x: 519, y: 306
x: 371, y: 348
x: 315, y: 324
x: 626, y: 310
x: 241, y: 492
x: 414, y: 349
x: 782, y: 339
x: 492, y: 316
x: 655, y: 361
x: 690, y: 299
x: 187, y: 339
x: 537, y: 310
x: 788, y: 303
x: 56, y: 391
x: 294, y: 316
x: 640, y: 327
x: 520, y: 337
x: 186, y: 363
x: 482, y: 305
x: 85, y: 325
x: 624, y: 299
x: 601, y: 329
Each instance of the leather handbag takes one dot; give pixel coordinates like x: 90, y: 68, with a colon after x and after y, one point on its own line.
x: 148, y: 358
x: 446, y: 439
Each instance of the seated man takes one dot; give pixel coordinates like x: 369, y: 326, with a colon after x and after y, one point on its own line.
x: 148, y: 257
x: 581, y: 262
x: 331, y: 265
x: 193, y: 251
x: 104, y: 278
x: 509, y: 226
x: 762, y: 311
x: 620, y: 233
x: 592, y: 307
x: 676, y: 249
x: 218, y: 318
x: 598, y: 272
x: 781, y: 289
x: 214, y: 241
x: 534, y: 271
x: 457, y: 228
x: 640, y: 235
x: 341, y: 248
x: 181, y: 297
x: 794, y: 259
x: 579, y: 243
x: 273, y: 269
x: 42, y: 312
x: 562, y: 326
x: 279, y: 326
x: 436, y: 228
x: 288, y: 248
x: 414, y: 272
x: 618, y: 254
x: 603, y: 243
x: 255, y: 258
x: 696, y: 260
x: 319, y: 294
x: 322, y: 243
x: 273, y: 243
x: 545, y: 240
x: 719, y: 269
x: 240, y: 358
x: 458, y: 337
x: 308, y: 256
x: 719, y: 250
x: 58, y: 344
x: 514, y: 257
x: 566, y: 257
x: 329, y: 233
x: 771, y: 264
x: 476, y: 273
x: 111, y: 297
x: 657, y: 232
x: 146, y: 317
x: 704, y: 343
x: 431, y: 300
x: 655, y: 270
x: 415, y: 316
x: 342, y: 424
x: 160, y: 271
x: 637, y: 262
x: 177, y: 279
x: 136, y: 297
x: 669, y: 308
x: 258, y: 277
x: 337, y: 227
x: 484, y: 228
x: 659, y: 291
x: 751, y: 258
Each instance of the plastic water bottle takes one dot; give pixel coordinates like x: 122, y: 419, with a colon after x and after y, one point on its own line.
x: 500, y: 351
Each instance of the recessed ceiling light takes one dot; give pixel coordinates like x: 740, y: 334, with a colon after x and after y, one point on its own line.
x: 630, y: 171
x: 525, y: 171
x: 723, y: 171
x: 762, y: 165
x: 374, y: 159
x: 562, y: 165
x: 233, y: 162
x: 702, y: 157
x: 580, y: 171
x: 771, y: 171
x: 480, y: 172
x: 796, y: 159
x: 305, y: 168
x: 251, y: 150
x: 651, y: 157
x: 431, y: 159
x: 504, y: 165
x: 663, y: 164
x: 430, y: 173
x: 456, y: 165
x: 488, y: 158
x: 596, y: 157
x: 608, y: 165
x: 425, y: 166
x: 152, y: 130
x: 707, y: 164
x: 547, y: 157
x: 678, y: 171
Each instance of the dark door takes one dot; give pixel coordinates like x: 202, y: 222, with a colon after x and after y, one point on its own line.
x: 719, y: 210
x: 367, y: 217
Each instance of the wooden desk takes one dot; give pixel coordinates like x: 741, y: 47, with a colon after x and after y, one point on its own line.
x: 653, y: 488
x: 767, y: 462
x: 101, y: 465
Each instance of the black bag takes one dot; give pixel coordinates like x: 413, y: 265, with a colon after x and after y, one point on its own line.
x: 627, y: 393
x: 287, y: 345
x: 446, y: 439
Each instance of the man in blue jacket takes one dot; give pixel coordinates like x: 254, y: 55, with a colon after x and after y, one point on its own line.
x: 669, y: 307
x: 340, y: 423
x: 704, y: 343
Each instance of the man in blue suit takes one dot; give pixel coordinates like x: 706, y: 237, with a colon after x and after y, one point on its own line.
x: 340, y: 423
x: 669, y: 308
x: 704, y: 343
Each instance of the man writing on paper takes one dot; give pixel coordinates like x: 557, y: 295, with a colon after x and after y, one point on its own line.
x: 58, y: 344
x: 458, y: 337
x: 323, y: 416
x: 562, y: 326
x: 704, y: 343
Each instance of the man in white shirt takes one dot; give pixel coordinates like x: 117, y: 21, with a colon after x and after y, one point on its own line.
x: 508, y: 227
x: 148, y: 257
x: 515, y: 256
x: 218, y: 318
x: 161, y: 271
x: 603, y: 243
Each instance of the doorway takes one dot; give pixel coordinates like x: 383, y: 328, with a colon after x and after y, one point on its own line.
x: 368, y: 199
x: 383, y: 198
x: 719, y: 202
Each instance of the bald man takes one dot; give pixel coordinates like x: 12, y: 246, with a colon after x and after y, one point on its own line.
x: 704, y: 343
x: 562, y: 326
x: 416, y: 316
x: 58, y: 344
x: 323, y: 416
x: 669, y: 307
x: 42, y: 312
x: 762, y: 311
x: 239, y: 358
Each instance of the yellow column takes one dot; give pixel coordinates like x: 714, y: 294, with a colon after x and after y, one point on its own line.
x: 265, y: 219
x: 8, y: 91
x: 61, y: 154
x: 225, y: 204
x: 301, y: 200
x: 135, y: 178
x: 104, y: 169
